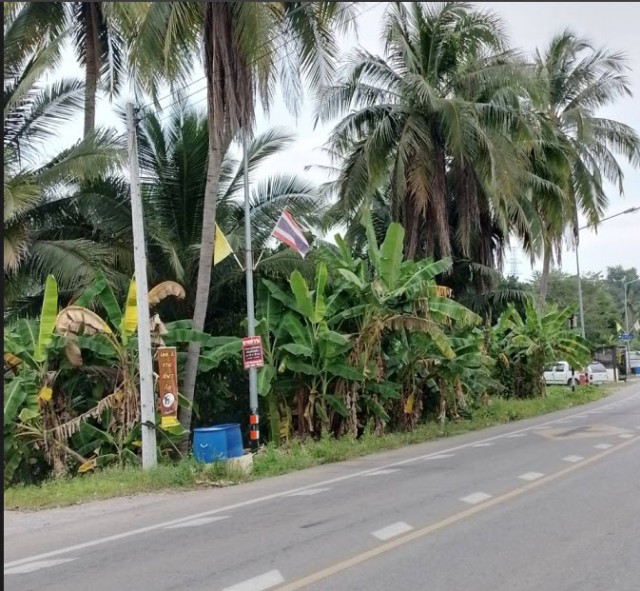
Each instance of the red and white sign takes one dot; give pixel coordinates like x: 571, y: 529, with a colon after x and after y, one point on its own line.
x: 252, y: 352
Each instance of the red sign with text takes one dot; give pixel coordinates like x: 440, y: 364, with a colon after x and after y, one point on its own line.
x: 252, y: 352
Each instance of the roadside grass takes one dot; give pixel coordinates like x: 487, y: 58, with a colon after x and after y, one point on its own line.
x: 272, y: 461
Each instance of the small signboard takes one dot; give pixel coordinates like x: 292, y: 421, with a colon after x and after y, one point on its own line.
x: 252, y: 352
x: 167, y: 386
x: 624, y: 336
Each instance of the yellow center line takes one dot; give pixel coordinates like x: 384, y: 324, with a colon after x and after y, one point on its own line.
x: 429, y: 529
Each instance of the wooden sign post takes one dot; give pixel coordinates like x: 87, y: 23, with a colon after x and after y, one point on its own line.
x: 167, y: 386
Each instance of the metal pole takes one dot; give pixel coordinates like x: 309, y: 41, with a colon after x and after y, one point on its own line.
x: 145, y: 359
x: 626, y: 323
x: 626, y: 310
x: 580, y: 303
x: 254, y: 427
x: 626, y: 331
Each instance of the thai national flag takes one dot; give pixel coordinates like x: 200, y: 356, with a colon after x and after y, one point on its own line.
x: 288, y: 232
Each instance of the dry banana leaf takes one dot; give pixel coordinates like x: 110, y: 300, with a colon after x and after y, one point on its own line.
x: 74, y: 318
x: 164, y: 290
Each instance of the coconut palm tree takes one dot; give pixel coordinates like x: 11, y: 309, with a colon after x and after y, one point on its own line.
x: 580, y: 148
x: 38, y: 185
x: 173, y: 159
x: 95, y: 38
x: 431, y: 122
x: 248, y: 47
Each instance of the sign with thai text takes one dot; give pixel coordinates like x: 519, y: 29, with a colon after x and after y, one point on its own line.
x: 252, y: 352
x: 167, y: 385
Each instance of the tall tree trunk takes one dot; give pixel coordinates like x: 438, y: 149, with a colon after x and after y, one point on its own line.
x: 229, y: 108
x: 438, y: 232
x: 411, y: 222
x: 216, y: 153
x: 92, y: 68
x: 544, y: 277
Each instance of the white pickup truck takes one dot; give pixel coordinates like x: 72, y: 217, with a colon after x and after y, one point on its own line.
x: 560, y: 373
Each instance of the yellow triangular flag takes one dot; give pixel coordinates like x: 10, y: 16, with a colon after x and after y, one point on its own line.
x: 618, y: 328
x: 636, y: 326
x: 221, y: 248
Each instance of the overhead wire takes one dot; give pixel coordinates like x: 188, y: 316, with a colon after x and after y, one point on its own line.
x: 202, y: 78
x: 255, y: 60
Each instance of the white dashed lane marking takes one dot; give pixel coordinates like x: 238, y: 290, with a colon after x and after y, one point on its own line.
x: 34, y: 566
x: 603, y: 446
x: 514, y: 435
x: 391, y: 531
x: 260, y: 583
x: 573, y: 459
x: 382, y: 472
x: 45, y: 556
x: 475, y: 498
x: 530, y: 476
x: 626, y: 435
x: 482, y: 445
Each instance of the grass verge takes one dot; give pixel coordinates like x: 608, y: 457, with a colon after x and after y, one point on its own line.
x: 272, y: 461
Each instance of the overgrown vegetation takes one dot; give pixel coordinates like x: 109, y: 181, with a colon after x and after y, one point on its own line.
x: 446, y: 147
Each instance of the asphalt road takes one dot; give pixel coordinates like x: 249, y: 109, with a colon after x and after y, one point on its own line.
x: 551, y: 503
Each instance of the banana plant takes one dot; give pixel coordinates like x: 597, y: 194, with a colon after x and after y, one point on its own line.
x: 388, y: 295
x: 455, y: 379
x: 28, y: 378
x: 269, y: 313
x: 112, y: 342
x: 526, y: 344
x: 308, y: 347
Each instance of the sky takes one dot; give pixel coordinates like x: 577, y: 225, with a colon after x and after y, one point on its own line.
x: 529, y: 25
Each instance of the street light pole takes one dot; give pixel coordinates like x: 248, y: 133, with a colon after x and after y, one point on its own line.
x: 626, y: 321
x: 580, y: 303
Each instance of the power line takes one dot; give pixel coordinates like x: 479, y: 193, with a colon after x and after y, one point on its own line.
x: 265, y: 44
x: 257, y: 59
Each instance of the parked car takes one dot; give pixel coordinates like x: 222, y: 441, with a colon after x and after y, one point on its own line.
x: 560, y: 374
x: 596, y: 373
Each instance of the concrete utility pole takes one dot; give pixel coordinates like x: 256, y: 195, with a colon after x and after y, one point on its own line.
x: 145, y: 357
x: 254, y: 432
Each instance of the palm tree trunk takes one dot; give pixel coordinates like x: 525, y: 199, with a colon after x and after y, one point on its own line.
x: 226, y: 88
x: 92, y: 68
x: 438, y: 238
x: 544, y: 277
x: 216, y: 153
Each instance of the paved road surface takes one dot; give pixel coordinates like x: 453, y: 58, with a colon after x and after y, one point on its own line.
x: 551, y: 503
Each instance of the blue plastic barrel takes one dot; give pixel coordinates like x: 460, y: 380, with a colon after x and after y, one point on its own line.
x: 210, y: 444
x: 635, y: 371
x: 234, y: 439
